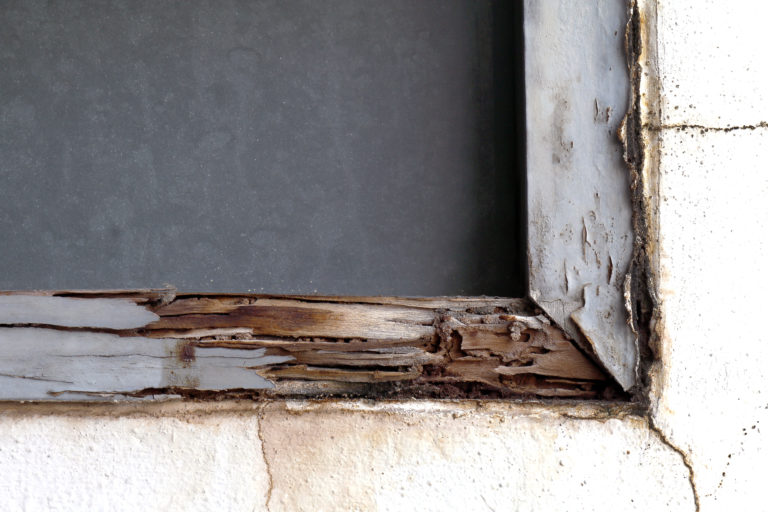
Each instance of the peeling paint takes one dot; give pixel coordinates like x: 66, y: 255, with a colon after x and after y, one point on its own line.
x: 215, y: 346
x: 44, y: 364
x: 20, y: 309
x: 576, y: 80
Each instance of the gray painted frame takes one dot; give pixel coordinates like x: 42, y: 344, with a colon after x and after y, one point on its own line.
x: 580, y: 227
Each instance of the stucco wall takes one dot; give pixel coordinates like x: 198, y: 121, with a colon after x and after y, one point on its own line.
x: 336, y: 456
x: 713, y: 218
x: 707, y: 403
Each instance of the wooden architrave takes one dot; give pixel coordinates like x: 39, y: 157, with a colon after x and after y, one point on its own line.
x: 143, y: 344
x: 587, y: 237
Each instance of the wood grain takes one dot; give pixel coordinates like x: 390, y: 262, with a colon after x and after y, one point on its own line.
x: 268, y: 346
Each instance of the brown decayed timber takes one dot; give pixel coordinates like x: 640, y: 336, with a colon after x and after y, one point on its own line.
x: 379, y: 347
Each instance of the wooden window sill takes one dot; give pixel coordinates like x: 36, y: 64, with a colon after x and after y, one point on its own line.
x: 144, y: 344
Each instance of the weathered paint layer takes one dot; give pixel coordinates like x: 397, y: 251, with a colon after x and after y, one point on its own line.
x: 73, y: 312
x: 263, y: 346
x: 579, y: 209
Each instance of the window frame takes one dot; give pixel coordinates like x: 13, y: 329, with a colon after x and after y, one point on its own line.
x: 571, y: 301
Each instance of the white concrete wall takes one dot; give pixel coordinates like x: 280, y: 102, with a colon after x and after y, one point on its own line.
x: 709, y: 405
x: 712, y: 396
x: 336, y: 456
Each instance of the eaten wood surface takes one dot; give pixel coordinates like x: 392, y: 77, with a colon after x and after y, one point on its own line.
x: 140, y: 344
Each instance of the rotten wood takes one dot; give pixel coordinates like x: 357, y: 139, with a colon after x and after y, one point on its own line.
x: 140, y: 344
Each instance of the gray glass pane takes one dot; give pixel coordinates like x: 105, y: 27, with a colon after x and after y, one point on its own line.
x: 340, y: 147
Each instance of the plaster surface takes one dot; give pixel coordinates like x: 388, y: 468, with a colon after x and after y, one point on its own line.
x: 711, y: 397
x: 335, y: 456
x: 438, y: 457
x: 131, y: 463
x: 712, y: 62
x: 708, y: 397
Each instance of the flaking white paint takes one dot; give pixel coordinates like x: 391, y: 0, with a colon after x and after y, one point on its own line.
x: 40, y: 364
x: 72, y: 312
x: 579, y: 214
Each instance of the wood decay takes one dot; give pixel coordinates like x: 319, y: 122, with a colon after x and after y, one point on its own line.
x: 270, y: 346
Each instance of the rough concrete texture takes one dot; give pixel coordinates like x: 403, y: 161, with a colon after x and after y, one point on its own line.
x: 713, y: 225
x: 712, y: 62
x: 708, y: 396
x: 336, y: 456
x: 131, y: 463
x: 448, y: 457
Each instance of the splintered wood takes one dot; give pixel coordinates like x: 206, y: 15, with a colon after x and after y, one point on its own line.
x: 142, y: 344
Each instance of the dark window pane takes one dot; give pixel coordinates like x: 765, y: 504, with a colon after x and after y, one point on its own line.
x: 340, y: 147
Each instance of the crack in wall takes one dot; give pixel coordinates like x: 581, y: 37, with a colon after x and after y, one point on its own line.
x: 647, y: 418
x: 268, y: 468
x: 683, y: 456
x: 703, y: 128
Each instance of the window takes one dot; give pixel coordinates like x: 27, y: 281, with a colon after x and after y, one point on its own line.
x: 139, y: 151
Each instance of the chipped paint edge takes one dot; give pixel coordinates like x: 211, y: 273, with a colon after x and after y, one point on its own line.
x: 113, y: 313
x: 612, y: 341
